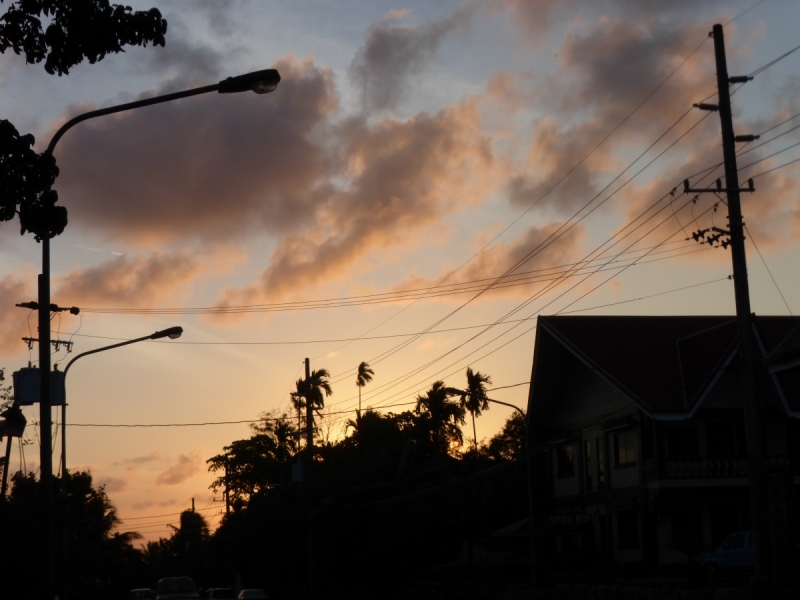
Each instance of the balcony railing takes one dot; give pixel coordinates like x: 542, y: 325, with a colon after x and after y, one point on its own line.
x: 680, y: 468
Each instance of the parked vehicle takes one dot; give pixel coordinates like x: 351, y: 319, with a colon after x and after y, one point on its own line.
x: 220, y: 594
x: 141, y: 594
x: 736, y: 553
x: 176, y: 588
x: 253, y: 594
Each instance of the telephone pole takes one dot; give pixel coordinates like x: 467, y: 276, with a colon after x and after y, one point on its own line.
x: 309, y: 420
x: 767, y: 510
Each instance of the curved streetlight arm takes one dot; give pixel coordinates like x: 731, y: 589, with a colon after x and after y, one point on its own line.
x: 123, y: 107
x: 172, y: 333
x: 516, y: 408
x: 96, y: 350
x: 261, y: 82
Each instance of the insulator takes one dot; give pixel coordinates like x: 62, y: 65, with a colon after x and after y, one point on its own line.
x: 739, y: 79
x: 746, y: 138
x: 704, y: 106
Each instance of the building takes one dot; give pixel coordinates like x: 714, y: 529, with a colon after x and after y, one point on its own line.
x: 642, y: 423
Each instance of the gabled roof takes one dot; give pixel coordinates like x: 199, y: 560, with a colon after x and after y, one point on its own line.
x: 666, y: 365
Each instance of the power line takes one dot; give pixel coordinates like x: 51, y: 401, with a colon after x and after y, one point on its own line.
x: 520, y: 278
x: 744, y: 12
x: 773, y: 62
x: 771, y: 276
x: 550, y: 286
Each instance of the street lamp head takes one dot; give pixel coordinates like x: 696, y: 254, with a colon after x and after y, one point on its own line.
x: 261, y: 82
x: 172, y: 333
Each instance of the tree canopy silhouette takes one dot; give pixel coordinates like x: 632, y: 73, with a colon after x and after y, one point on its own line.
x: 76, y: 30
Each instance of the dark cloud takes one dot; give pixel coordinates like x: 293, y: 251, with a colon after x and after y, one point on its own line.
x: 215, y: 167
x: 392, y: 54
x: 404, y: 175
x: 185, y: 65
x: 533, y: 19
x: 218, y: 13
x: 606, y: 70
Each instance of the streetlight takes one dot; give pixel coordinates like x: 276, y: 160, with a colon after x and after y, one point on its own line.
x: 260, y: 82
x: 530, y: 490
x: 172, y: 333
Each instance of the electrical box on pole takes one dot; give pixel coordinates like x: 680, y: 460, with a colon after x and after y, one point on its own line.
x: 27, y: 383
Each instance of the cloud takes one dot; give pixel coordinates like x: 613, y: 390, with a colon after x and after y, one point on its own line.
x: 534, y: 19
x: 151, y: 503
x: 531, y: 258
x: 135, y: 281
x: 212, y: 167
x: 185, y: 64
x: 403, y: 176
x: 185, y: 468
x: 392, y: 54
x: 606, y: 70
x: 112, y: 484
x: 137, y: 461
x: 16, y: 323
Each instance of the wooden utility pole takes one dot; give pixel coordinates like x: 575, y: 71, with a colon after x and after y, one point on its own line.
x: 227, y: 494
x: 309, y: 419
x: 766, y: 529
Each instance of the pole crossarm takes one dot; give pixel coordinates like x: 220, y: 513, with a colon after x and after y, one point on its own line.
x: 716, y: 190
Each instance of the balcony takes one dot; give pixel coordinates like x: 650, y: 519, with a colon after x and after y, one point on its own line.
x: 687, y: 468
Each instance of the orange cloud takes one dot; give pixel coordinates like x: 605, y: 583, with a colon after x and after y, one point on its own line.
x: 137, y: 281
x: 16, y: 323
x: 405, y: 175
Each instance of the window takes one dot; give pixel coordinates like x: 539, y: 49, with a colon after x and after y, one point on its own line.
x: 682, y: 441
x: 587, y: 463
x: 725, y: 440
x: 601, y: 464
x: 628, y: 529
x: 565, y: 461
x: 625, y: 448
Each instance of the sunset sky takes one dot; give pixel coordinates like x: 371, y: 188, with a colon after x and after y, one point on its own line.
x: 412, y: 154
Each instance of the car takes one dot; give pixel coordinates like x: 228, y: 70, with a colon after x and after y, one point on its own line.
x: 176, y: 588
x: 736, y: 553
x: 220, y: 594
x: 141, y: 594
x: 253, y: 594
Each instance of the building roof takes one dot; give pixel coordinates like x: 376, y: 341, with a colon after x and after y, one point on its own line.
x: 666, y: 365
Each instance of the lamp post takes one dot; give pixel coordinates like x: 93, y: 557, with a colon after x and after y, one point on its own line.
x: 529, y: 486
x: 172, y: 333
x: 260, y: 82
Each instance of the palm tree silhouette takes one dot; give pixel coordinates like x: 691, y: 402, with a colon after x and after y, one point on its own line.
x: 441, y: 416
x: 474, y: 398
x: 312, y: 391
x: 364, y: 376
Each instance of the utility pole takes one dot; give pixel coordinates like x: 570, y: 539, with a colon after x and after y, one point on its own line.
x: 309, y: 421
x: 769, y: 565
x: 227, y: 495
x: 46, y: 419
